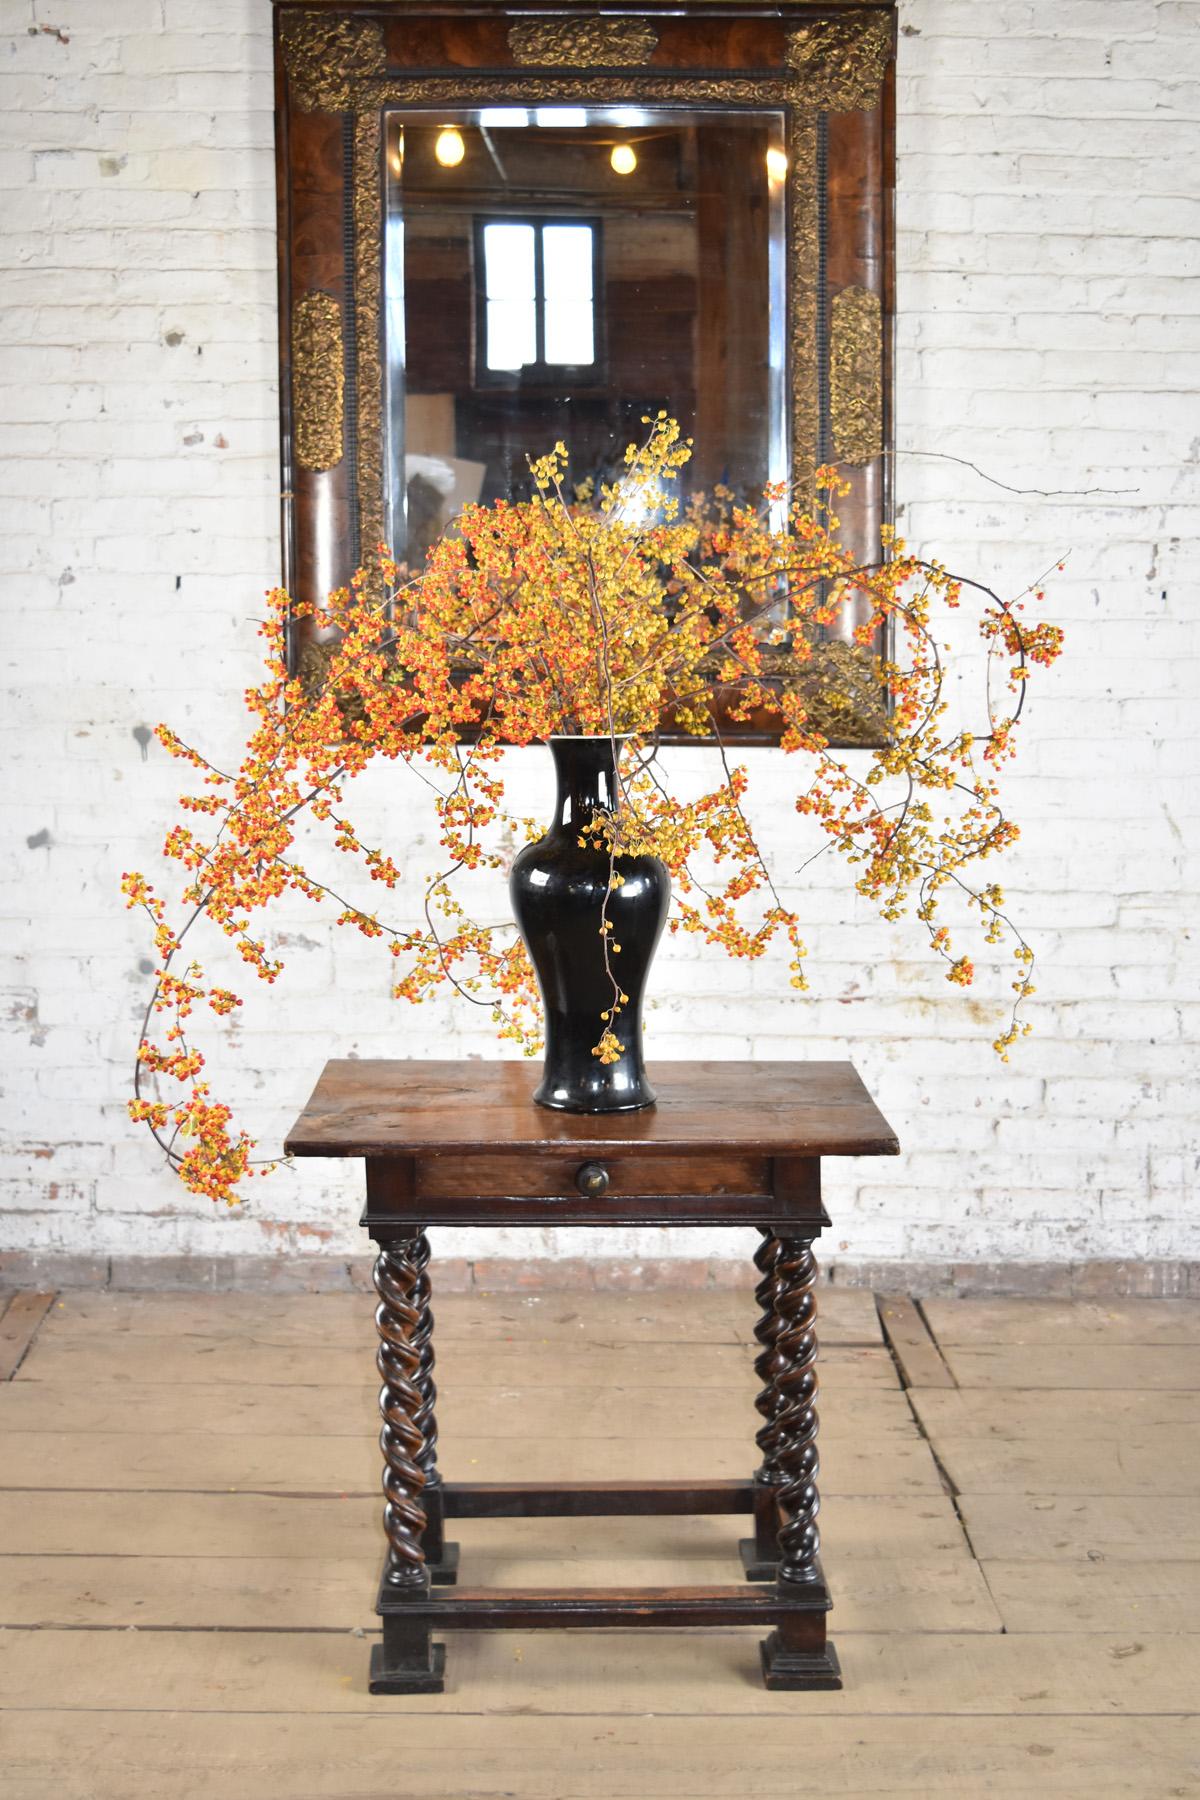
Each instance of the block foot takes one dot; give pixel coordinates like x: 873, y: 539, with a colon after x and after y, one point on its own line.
x: 786, y: 1670
x: 408, y: 1678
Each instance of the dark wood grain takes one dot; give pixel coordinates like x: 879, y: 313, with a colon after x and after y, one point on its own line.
x: 786, y: 1109
x: 679, y: 1209
x: 448, y: 1177
x: 557, y: 1609
x: 405, y: 1410
x: 594, y: 1499
x: 544, y: 1187
x: 794, y: 1423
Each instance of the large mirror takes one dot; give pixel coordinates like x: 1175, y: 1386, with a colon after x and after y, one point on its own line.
x: 508, y: 225
x: 560, y: 272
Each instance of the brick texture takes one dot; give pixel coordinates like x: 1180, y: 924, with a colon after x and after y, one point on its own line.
x: 1049, y: 334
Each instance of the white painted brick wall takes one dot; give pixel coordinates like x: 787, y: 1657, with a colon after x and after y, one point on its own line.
x: 1048, y: 333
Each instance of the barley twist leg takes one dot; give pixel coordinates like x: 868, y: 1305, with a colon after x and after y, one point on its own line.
x: 797, y: 1655
x: 401, y: 1400
x: 795, y: 1423
x: 760, y: 1554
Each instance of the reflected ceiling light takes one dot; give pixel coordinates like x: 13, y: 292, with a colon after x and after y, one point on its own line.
x: 449, y: 148
x: 561, y: 118
x: 777, y: 164
x: 623, y: 159
x: 504, y: 118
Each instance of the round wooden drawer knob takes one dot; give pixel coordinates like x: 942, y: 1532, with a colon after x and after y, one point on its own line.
x: 592, y: 1180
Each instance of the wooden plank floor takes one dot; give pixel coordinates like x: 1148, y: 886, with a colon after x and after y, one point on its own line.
x: 189, y: 1541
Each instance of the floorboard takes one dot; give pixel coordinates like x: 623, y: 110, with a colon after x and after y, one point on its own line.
x: 718, y: 1316
x: 467, y: 1409
x: 1151, y: 1460
x: 598, y: 1674
x: 302, y: 1527
x: 1105, y: 1322
x: 245, y: 1357
x: 1116, y: 1528
x: 1023, y: 1415
x: 242, y: 1593
x: 1105, y: 1595
x: 1079, y: 1365
x: 880, y: 1464
x: 104, y: 1755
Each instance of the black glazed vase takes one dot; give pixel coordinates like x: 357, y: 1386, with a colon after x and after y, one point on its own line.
x: 558, y: 890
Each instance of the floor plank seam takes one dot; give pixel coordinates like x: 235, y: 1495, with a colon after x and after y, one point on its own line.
x: 948, y: 1484
x: 920, y: 1307
x: 414, y: 1708
x: 24, y: 1302
x: 365, y: 1633
x: 354, y: 1631
x: 912, y: 1342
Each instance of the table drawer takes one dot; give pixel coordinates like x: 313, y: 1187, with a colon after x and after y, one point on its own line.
x: 558, y: 1175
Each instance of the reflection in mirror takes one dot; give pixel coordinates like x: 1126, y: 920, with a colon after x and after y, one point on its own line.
x: 557, y: 273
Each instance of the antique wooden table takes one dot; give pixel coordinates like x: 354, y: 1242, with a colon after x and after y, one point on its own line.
x: 461, y: 1143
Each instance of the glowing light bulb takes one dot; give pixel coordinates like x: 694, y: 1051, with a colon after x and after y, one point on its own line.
x: 449, y: 148
x: 777, y: 164
x: 623, y: 159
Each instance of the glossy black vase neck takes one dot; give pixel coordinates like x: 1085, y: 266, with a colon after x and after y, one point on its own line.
x: 585, y: 769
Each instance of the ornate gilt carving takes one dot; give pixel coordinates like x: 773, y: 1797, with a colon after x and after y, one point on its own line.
x: 803, y: 299
x: 368, y: 284
x: 329, y: 59
x: 844, y: 694
x: 841, y: 62
x: 856, y: 375
x: 318, y: 381
x: 582, y: 43
x: 603, y: 90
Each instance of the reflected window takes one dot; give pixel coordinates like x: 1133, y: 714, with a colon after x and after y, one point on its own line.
x: 537, y: 287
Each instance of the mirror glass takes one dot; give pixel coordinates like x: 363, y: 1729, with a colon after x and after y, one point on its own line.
x: 558, y: 272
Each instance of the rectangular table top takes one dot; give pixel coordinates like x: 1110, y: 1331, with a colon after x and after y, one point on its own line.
x: 365, y: 1107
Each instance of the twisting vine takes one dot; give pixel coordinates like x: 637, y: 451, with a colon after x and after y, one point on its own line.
x: 600, y: 615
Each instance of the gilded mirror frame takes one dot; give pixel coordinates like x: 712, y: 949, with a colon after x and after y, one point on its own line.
x: 826, y: 64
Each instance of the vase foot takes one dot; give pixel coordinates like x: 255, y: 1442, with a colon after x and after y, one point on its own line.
x: 591, y: 1106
